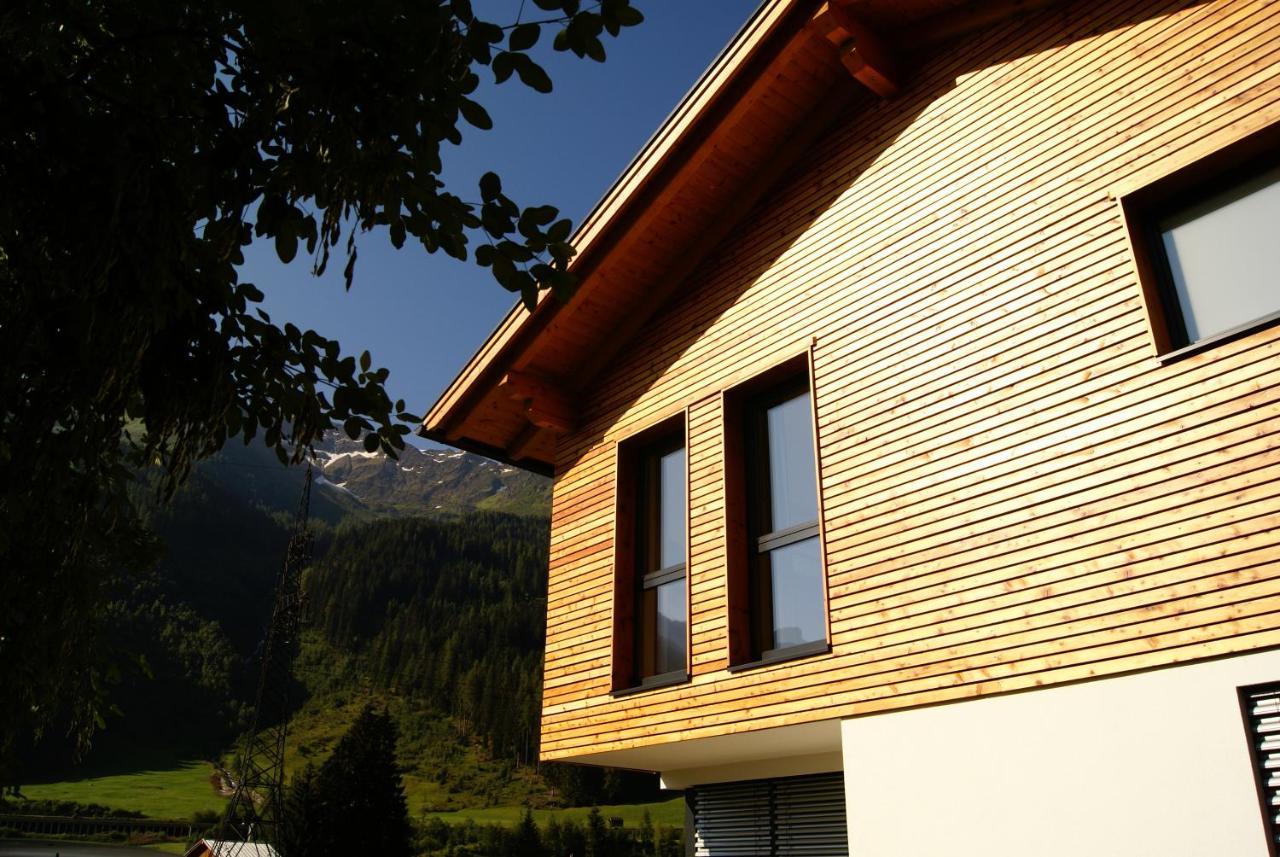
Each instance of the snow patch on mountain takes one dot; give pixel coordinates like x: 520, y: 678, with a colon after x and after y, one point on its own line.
x: 427, y: 481
x: 341, y: 486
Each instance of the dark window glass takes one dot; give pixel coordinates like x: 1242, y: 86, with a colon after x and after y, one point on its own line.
x: 787, y: 587
x: 661, y: 629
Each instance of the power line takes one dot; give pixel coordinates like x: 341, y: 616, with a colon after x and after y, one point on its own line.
x: 255, y: 812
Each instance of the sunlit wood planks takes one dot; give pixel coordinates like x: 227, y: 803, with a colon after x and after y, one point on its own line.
x: 1016, y: 492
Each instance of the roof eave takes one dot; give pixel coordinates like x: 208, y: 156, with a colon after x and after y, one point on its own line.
x: 521, y: 325
x: 776, y: 28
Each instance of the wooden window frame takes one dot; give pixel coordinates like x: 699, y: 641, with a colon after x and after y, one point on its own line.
x: 1140, y: 209
x: 744, y: 537
x: 629, y: 518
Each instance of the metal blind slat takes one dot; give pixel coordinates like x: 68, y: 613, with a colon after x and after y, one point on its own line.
x: 1262, y: 715
x: 792, y: 817
x: 810, y: 817
x: 731, y: 819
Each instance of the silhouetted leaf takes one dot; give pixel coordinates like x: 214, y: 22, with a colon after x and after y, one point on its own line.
x: 475, y: 114
x: 524, y: 37
x: 286, y: 246
x: 503, y: 65
x: 532, y: 74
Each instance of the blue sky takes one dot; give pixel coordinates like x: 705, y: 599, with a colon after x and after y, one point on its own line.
x: 423, y: 316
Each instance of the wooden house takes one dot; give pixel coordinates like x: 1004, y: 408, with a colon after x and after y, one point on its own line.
x: 914, y: 435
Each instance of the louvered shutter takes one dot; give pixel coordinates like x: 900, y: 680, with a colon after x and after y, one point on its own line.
x: 808, y: 816
x: 732, y: 820
x: 791, y: 817
x: 1261, y: 705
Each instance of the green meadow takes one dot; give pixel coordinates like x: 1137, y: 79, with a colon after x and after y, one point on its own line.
x: 184, y: 788
x: 175, y: 791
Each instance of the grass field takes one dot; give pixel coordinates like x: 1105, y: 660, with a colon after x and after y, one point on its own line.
x: 445, y: 777
x: 443, y: 773
x: 668, y: 813
x: 176, y: 791
x: 183, y: 788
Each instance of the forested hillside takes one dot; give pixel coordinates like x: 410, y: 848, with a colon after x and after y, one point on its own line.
x: 439, y: 617
x: 450, y: 611
x: 448, y: 617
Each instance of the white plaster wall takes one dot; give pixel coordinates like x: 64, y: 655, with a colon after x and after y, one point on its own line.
x: 1150, y: 764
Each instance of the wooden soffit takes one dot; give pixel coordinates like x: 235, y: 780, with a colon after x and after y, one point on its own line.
x: 792, y: 68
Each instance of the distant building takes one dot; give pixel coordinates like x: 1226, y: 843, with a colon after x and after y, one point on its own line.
x: 223, y: 848
x: 915, y: 434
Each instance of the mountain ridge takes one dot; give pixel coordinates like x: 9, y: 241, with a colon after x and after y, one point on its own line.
x: 433, y: 481
x: 353, y: 483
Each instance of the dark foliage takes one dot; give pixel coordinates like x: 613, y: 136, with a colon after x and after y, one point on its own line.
x: 583, y: 785
x: 595, y: 838
x: 301, y: 814
x: 355, y: 803
x: 143, y: 144
x: 64, y: 808
x: 173, y: 686
x: 227, y: 579
x: 178, y: 690
x: 175, y: 642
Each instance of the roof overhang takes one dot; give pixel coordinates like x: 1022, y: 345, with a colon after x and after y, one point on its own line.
x: 788, y: 73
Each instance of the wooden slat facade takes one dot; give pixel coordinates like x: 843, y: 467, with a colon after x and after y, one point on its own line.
x: 1016, y: 492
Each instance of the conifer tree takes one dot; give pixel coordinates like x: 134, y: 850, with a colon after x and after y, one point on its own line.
x: 648, y: 843
x: 554, y: 837
x: 597, y: 834
x: 360, y: 799
x: 301, y: 819
x: 528, y: 841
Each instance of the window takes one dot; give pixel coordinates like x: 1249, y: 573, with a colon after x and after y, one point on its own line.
x: 1205, y: 242
x: 770, y: 818
x: 650, y: 595
x: 1260, y: 706
x: 777, y: 579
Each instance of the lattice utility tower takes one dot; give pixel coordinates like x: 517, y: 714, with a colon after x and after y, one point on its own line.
x: 254, y: 814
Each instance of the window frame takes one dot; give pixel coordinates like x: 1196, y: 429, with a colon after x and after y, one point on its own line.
x: 1182, y: 187
x: 745, y: 539
x: 632, y: 514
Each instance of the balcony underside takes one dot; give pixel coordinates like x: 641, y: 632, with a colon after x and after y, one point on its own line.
x: 806, y: 748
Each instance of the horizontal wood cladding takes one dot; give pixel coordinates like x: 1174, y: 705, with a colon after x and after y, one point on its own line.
x: 1015, y: 491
